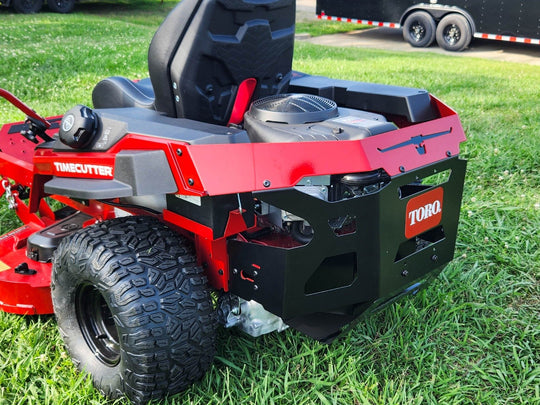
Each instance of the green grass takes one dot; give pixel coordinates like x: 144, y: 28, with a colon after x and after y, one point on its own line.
x: 317, y: 28
x: 472, y: 337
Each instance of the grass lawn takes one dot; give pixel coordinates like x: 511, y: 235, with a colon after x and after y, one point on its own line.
x: 472, y: 337
x: 316, y: 27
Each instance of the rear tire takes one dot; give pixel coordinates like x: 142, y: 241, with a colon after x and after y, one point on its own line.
x: 133, y: 308
x: 454, y: 33
x: 61, y: 6
x: 27, y: 6
x: 419, y: 29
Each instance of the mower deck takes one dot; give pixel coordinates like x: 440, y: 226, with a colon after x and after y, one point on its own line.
x: 24, y: 283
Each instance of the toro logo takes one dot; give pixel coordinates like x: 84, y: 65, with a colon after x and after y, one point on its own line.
x: 423, y: 212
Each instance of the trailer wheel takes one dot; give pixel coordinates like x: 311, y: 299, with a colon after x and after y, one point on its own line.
x: 133, y: 308
x: 419, y: 29
x: 454, y: 33
x: 61, y: 6
x: 27, y: 6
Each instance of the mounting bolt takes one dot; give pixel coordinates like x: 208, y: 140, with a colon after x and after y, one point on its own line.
x: 255, y: 287
x: 235, y: 271
x: 448, y: 153
x: 220, y: 272
x: 191, y: 181
x: 174, y: 85
x: 434, y: 258
x: 404, y: 273
x: 177, y: 98
x: 267, y: 183
x: 179, y: 152
x: 255, y: 274
x: 279, y: 77
x: 402, y: 169
x: 209, y: 89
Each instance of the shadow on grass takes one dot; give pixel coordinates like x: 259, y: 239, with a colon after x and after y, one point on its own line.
x: 128, y: 8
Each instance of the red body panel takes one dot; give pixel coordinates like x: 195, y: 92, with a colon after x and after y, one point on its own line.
x: 247, y: 167
x: 201, y: 170
x: 23, y: 294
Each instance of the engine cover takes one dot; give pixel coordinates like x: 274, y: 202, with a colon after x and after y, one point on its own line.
x: 305, y: 118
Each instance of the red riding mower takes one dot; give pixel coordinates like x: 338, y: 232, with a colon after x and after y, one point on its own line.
x: 226, y: 188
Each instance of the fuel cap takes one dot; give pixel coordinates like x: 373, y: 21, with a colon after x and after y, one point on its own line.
x: 78, y: 127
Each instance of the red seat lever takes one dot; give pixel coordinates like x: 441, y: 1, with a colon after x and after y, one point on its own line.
x: 243, y: 98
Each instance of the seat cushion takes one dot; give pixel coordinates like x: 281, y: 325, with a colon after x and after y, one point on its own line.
x: 119, y: 92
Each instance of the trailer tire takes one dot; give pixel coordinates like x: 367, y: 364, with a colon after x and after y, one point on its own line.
x: 419, y: 29
x: 133, y: 308
x: 61, y: 6
x: 454, y: 33
x: 27, y: 6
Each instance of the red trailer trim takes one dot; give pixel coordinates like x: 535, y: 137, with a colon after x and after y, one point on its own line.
x: 357, y: 21
x: 507, y: 38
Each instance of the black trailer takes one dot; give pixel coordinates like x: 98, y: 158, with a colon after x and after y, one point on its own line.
x: 452, y: 23
x: 34, y: 6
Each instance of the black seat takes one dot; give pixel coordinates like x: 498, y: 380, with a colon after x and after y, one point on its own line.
x: 117, y: 91
x: 202, y: 53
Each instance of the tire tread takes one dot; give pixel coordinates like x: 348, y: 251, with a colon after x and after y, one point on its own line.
x: 158, y: 296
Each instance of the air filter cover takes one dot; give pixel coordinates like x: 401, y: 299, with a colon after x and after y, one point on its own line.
x: 294, y: 109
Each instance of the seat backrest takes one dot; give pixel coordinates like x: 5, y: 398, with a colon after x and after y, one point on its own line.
x: 205, y: 49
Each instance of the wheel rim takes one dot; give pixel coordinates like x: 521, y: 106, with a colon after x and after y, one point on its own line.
x: 452, y: 34
x: 97, y: 325
x: 417, y: 31
x: 62, y: 4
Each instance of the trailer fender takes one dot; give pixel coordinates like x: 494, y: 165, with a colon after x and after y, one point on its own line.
x: 438, y: 11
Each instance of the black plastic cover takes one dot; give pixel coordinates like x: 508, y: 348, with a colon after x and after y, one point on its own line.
x: 41, y: 245
x: 147, y: 172
x: 87, y: 189
x: 213, y: 211
x: 413, y: 104
x: 115, y: 123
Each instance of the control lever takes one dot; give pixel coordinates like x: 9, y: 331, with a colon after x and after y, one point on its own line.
x: 37, y: 125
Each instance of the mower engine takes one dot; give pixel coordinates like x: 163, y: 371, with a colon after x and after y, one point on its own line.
x: 309, y: 118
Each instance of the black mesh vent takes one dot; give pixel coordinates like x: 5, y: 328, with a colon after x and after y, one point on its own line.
x: 294, y: 109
